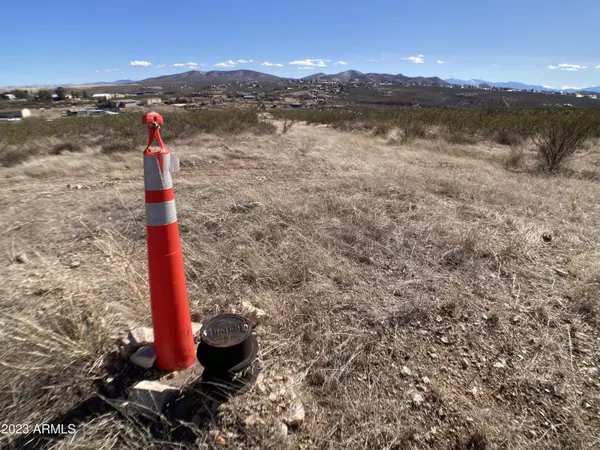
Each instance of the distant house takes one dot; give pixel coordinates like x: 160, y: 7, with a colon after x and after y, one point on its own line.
x: 86, y: 112
x: 123, y: 103
x: 150, y: 101
x: 102, y: 96
x: 15, y: 114
x: 9, y: 96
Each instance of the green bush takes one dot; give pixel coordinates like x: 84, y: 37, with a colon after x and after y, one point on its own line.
x: 559, y: 138
x: 121, y: 133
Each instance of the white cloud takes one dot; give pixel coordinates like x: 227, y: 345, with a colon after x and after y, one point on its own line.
x: 598, y: 66
x: 310, y: 62
x: 567, y: 67
x: 178, y: 65
x: 192, y: 64
x: 547, y: 87
x: 108, y: 70
x: 229, y: 63
x: 439, y: 61
x: 341, y: 63
x: 416, y: 59
x: 565, y: 88
x: 140, y: 63
x: 306, y: 68
x: 269, y: 64
x: 245, y: 61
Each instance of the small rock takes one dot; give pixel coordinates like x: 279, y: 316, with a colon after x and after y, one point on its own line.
x: 464, y: 363
x: 282, y: 430
x: 196, y: 328
x: 405, y: 371
x: 417, y: 400
x: 546, y: 236
x: 296, y: 416
x: 144, y: 357
x: 218, y: 437
x: 272, y: 396
x: 251, y: 420
x: 441, y: 412
x: 254, y: 314
x: 426, y: 380
x: 560, y: 272
x: 592, y: 371
x: 135, y: 339
x: 151, y: 395
x: 445, y: 340
x: 500, y: 364
x: 245, y: 207
x: 22, y: 258
x: 75, y: 265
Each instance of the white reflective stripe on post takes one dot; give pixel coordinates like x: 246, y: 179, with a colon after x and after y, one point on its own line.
x: 153, y: 179
x: 159, y: 214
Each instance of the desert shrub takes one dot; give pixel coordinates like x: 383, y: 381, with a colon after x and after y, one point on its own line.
x: 507, y: 136
x: 12, y: 156
x: 559, y: 138
x: 515, y: 158
x: 117, y: 145
x: 288, y: 123
x: 414, y: 130
x: 381, y: 129
x: 67, y: 146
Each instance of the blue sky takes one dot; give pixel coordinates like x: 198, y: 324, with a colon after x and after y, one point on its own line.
x: 548, y: 42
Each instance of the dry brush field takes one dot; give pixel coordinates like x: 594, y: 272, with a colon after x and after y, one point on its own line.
x: 419, y: 294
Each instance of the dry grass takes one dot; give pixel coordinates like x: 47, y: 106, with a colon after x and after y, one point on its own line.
x: 367, y: 257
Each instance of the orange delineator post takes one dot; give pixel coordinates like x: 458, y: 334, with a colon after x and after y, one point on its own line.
x: 173, y: 338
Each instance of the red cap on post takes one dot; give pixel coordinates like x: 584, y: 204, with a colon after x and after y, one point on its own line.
x: 152, y: 118
x: 154, y: 121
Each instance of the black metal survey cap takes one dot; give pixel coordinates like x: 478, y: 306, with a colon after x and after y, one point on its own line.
x: 227, y: 343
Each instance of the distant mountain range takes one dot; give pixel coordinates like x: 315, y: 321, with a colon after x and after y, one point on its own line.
x: 214, y: 76
x: 231, y: 76
x: 520, y: 86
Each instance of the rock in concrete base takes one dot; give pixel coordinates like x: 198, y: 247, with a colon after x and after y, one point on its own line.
x: 196, y: 329
x: 144, y: 357
x: 151, y: 396
x: 135, y: 339
x: 141, y: 336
